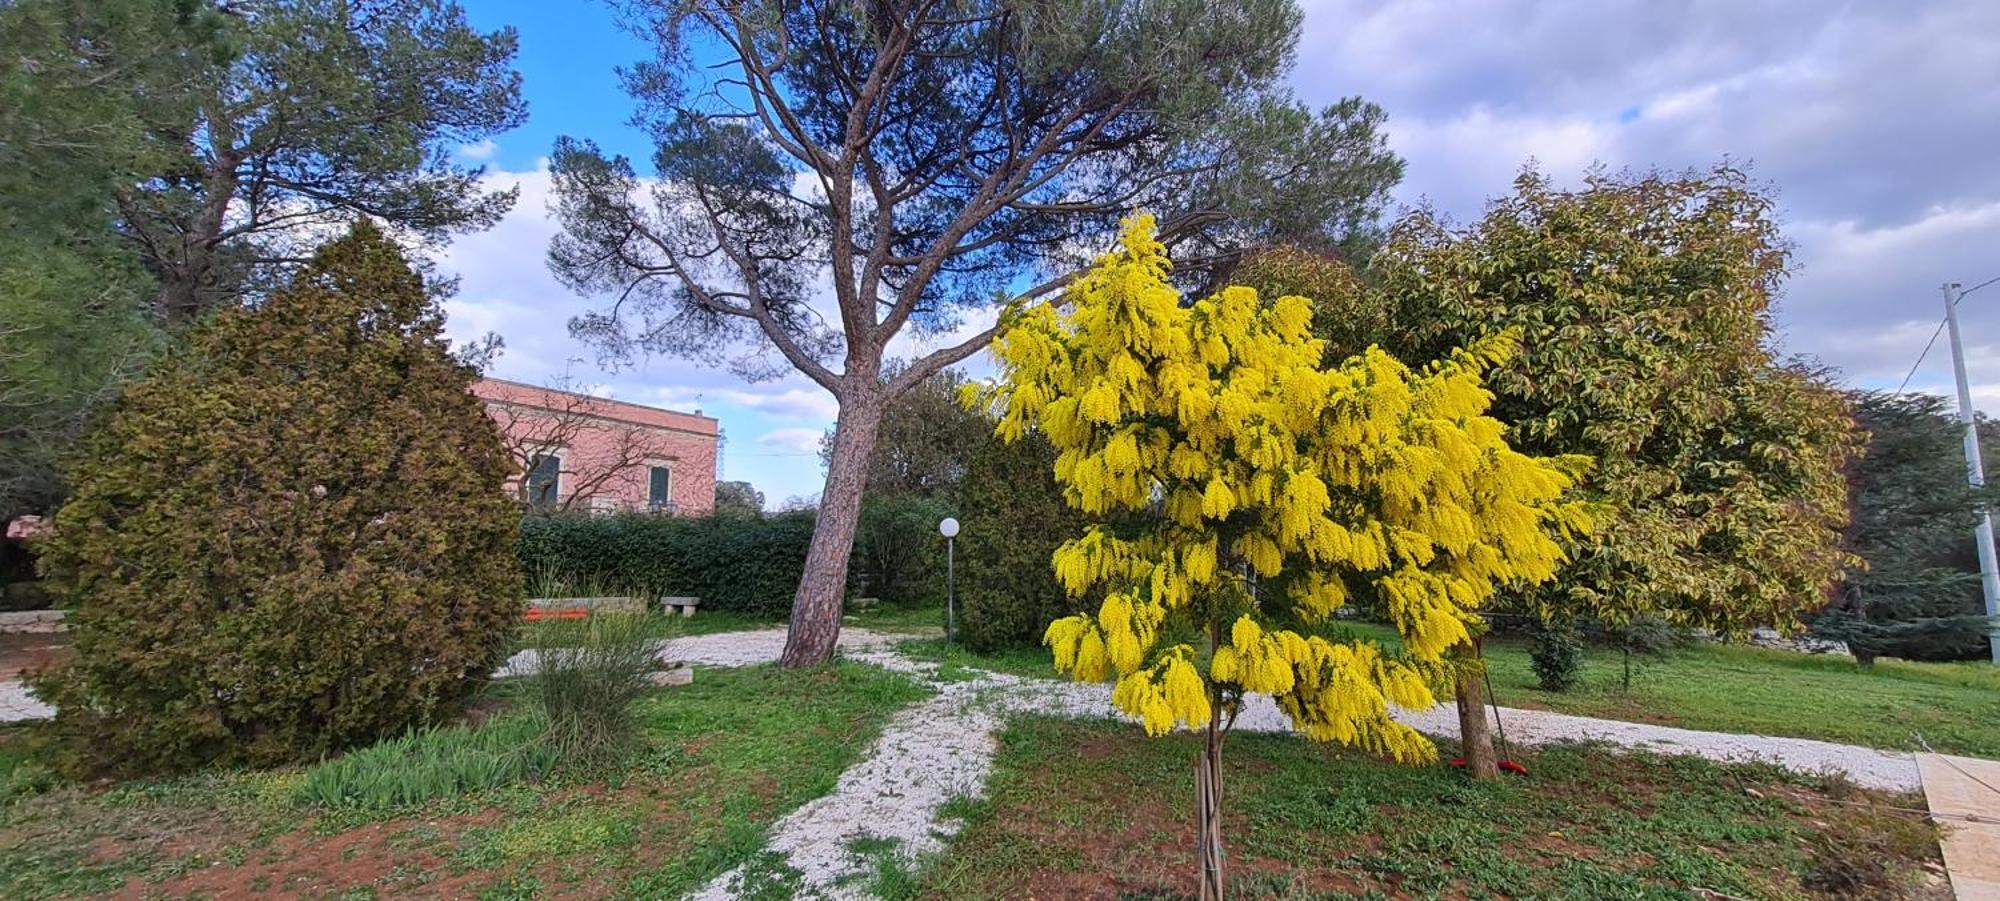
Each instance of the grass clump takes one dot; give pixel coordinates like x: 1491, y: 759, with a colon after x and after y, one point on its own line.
x: 588, y: 674
x: 430, y: 764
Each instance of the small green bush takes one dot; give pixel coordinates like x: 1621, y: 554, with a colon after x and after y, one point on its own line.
x: 734, y: 563
x: 1013, y: 517
x: 289, y: 538
x: 1557, y: 657
x: 428, y: 764
x: 588, y: 672
x: 898, y: 553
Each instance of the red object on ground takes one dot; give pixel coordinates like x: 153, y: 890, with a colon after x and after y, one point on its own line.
x: 537, y: 613
x: 1508, y: 765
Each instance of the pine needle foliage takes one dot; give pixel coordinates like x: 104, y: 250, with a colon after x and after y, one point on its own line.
x: 1242, y: 492
x: 290, y: 537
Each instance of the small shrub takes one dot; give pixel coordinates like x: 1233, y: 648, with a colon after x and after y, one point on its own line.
x: 1650, y: 635
x: 289, y: 538
x: 588, y: 673
x: 1557, y: 657
x: 429, y: 764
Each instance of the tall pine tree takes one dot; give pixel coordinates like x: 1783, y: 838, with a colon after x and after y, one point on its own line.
x: 1918, y: 595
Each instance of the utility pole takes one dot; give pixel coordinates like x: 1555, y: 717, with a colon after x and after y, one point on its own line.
x: 1975, y: 471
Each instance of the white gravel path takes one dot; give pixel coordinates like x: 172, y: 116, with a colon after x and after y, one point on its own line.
x: 943, y: 748
x: 18, y: 704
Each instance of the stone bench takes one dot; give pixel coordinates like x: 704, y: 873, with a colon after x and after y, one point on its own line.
x: 34, y: 621
x: 682, y: 606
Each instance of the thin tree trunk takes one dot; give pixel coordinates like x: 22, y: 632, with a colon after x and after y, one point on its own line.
x: 1474, y: 735
x: 1210, y: 855
x: 1208, y: 814
x: 816, y: 606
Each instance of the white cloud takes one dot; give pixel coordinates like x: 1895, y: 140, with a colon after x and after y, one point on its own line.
x: 790, y: 441
x: 810, y: 402
x: 1874, y: 123
x: 480, y: 152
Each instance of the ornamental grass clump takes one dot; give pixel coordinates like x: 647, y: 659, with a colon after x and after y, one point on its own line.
x: 1242, y: 493
x: 588, y: 674
x: 428, y: 764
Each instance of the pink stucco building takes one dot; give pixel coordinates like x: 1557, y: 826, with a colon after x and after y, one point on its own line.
x: 577, y: 452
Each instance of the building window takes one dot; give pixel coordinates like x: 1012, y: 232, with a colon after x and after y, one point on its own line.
x: 659, y: 493
x: 545, y: 480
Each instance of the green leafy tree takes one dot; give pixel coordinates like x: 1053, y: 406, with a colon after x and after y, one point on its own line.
x: 289, y: 537
x: 933, y: 157
x: 261, y: 124
x: 925, y: 439
x: 72, y: 326
x: 1643, y: 306
x: 1915, y: 591
x: 1013, y: 518
x: 73, y: 298
x: 739, y: 498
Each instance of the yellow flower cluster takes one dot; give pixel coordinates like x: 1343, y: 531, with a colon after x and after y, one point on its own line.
x: 1218, y: 423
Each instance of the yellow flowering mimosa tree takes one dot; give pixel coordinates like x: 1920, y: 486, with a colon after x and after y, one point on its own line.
x: 1244, y: 493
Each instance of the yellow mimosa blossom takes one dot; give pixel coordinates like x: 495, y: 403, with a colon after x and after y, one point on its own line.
x: 1243, y: 474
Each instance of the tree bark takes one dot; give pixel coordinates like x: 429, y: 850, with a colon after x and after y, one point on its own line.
x: 1474, y: 736
x: 816, y: 606
x: 1208, y: 815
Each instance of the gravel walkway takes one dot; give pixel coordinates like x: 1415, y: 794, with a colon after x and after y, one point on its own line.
x: 943, y: 748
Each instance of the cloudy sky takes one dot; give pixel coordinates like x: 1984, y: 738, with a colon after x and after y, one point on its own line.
x: 1877, y: 124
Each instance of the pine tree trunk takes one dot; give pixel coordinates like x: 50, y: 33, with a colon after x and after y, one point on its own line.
x: 1473, y: 733
x: 815, y: 627
x: 1208, y: 815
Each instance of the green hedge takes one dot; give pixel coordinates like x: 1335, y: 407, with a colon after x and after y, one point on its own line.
x: 737, y: 563
x: 741, y: 564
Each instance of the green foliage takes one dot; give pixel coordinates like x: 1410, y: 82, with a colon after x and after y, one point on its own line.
x: 72, y: 298
x: 898, y: 553
x: 1013, y: 520
x: 1643, y: 309
x: 1557, y: 657
x: 735, y: 564
x: 289, y: 538
x: 925, y: 439
x: 738, y: 498
x: 1345, y: 314
x: 429, y: 764
x: 588, y: 672
x: 1918, y: 595
x: 233, y: 128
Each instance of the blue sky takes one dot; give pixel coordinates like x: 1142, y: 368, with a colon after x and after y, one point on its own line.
x: 1876, y: 123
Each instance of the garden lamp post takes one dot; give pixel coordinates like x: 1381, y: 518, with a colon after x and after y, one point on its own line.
x: 949, y: 529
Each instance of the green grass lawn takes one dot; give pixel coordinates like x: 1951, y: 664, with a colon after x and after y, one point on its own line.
x: 1955, y: 707
x: 723, y: 758
x: 1097, y: 810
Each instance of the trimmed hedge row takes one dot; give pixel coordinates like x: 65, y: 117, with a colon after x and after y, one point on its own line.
x: 743, y: 564
x: 739, y: 563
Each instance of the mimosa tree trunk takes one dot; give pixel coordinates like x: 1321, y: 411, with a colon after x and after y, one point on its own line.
x: 1208, y: 814
x: 1473, y: 734
x: 815, y: 628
